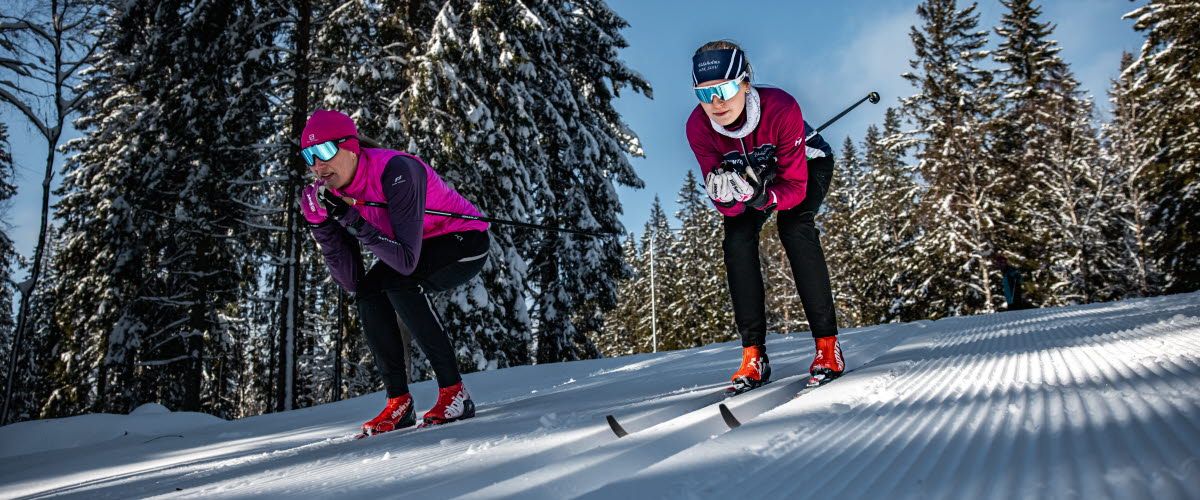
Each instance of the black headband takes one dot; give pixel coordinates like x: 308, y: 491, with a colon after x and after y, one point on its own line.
x: 720, y: 64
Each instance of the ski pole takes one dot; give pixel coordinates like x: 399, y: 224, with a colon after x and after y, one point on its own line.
x: 872, y: 96
x: 497, y: 221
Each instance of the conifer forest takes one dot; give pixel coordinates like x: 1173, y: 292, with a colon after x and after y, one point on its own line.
x: 173, y: 265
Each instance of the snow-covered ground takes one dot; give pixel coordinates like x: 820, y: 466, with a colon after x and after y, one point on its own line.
x: 1098, y: 401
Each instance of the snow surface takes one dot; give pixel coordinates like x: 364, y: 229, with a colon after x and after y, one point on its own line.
x: 1097, y: 401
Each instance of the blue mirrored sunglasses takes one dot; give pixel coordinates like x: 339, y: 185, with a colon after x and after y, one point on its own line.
x: 325, y: 150
x: 724, y: 90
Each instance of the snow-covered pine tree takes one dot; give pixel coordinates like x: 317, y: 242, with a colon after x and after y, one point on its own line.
x: 1166, y: 81
x: 701, y: 307
x: 890, y: 222
x: 1129, y: 154
x: 1059, y: 205
x: 479, y: 141
x: 102, y: 258
x: 586, y: 145
x: 149, y: 211
x: 619, y: 335
x: 845, y: 237
x: 548, y: 149
x: 8, y: 258
x: 44, y: 47
x: 951, y: 109
x: 8, y: 255
x: 656, y: 331
x: 286, y: 40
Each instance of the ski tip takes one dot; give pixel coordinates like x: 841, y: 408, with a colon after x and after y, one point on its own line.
x: 727, y: 415
x: 616, y: 427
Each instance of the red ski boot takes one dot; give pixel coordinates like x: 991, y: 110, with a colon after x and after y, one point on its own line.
x: 453, y: 404
x: 397, y: 415
x: 755, y: 370
x: 829, y: 363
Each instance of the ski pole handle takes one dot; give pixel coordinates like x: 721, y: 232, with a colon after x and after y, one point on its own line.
x: 871, y: 96
x: 497, y: 221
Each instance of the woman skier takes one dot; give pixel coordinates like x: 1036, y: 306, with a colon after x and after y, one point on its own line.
x: 756, y: 157
x: 418, y: 255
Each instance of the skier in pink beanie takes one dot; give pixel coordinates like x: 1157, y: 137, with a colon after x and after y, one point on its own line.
x: 418, y: 254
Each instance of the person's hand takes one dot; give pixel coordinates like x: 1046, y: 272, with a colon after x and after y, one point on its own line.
x: 759, y: 198
x: 314, y: 211
x: 761, y: 165
x: 764, y: 163
x: 722, y: 187
x: 335, y: 205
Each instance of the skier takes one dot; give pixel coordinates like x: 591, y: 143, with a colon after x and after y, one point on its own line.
x: 756, y: 157
x: 1011, y: 282
x: 418, y: 255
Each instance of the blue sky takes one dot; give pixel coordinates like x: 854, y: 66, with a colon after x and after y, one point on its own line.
x: 826, y: 54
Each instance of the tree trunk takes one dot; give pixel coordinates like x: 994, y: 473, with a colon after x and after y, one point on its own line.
x: 289, y: 307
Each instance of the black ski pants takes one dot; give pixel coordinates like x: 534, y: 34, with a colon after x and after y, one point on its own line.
x: 446, y: 262
x: 802, y: 243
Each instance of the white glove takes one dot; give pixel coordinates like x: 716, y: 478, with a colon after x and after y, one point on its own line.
x: 718, y: 187
x: 742, y: 191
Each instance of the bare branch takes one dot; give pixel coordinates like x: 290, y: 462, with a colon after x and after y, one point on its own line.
x: 27, y: 111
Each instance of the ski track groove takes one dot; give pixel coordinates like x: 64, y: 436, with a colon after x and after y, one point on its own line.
x: 1095, y: 401
x: 1078, y: 378
x: 418, y: 467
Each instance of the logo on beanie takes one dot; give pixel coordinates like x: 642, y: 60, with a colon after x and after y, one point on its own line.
x: 312, y: 137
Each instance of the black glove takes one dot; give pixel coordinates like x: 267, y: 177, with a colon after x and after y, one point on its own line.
x: 762, y: 200
x: 334, y: 205
x: 764, y: 162
x: 339, y: 210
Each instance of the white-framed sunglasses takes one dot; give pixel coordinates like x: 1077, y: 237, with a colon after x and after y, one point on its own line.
x: 725, y: 90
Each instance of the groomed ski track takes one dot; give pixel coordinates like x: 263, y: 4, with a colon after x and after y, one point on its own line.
x: 1096, y: 401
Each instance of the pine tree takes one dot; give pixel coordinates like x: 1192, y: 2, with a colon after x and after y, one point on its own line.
x: 8, y: 254
x: 43, y: 51
x: 554, y: 155
x: 153, y: 227
x: 701, y: 307
x: 8, y: 257
x: 1129, y: 154
x: 839, y: 220
x: 954, y: 103
x: 1059, y: 208
x: 473, y: 137
x: 619, y: 335
x: 586, y: 147
x: 890, y: 223
x: 656, y: 330
x: 1165, y: 79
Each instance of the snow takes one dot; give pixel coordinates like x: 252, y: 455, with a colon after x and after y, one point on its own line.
x: 1095, y: 401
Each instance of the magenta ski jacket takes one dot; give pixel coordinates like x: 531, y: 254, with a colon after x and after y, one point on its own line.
x: 781, y: 128
x: 408, y: 187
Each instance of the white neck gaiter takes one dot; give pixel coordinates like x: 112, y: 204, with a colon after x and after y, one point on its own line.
x: 753, y: 113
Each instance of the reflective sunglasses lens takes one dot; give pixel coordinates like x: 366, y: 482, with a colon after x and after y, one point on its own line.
x: 325, y: 151
x: 725, y: 91
x: 728, y: 89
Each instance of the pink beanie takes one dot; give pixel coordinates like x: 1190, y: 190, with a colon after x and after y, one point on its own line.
x: 326, y: 125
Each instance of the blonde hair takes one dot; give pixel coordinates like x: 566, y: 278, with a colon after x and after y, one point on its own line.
x: 729, y: 44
